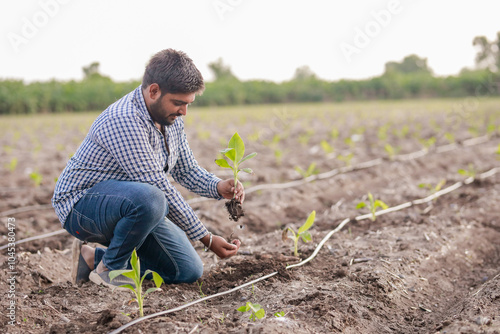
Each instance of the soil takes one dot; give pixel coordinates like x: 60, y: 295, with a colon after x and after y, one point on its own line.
x: 235, y: 209
x: 430, y: 268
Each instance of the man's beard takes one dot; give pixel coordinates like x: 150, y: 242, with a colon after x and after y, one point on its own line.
x: 157, y: 112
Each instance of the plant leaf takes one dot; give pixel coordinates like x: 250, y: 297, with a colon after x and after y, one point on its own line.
x: 128, y: 286
x: 309, y: 222
x: 239, y: 147
x: 243, y: 308
x: 136, y: 264
x: 284, y: 235
x: 230, y: 153
x: 379, y: 203
x: 157, y: 279
x: 360, y: 205
x: 114, y: 273
x: 150, y: 290
x: 260, y: 313
x: 223, y: 163
x: 250, y: 156
x: 306, y: 236
x: 247, y: 170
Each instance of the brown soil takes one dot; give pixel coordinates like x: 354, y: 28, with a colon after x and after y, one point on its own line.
x: 235, y: 209
x: 432, y: 268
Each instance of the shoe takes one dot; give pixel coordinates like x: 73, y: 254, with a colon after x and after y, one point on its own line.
x: 103, y: 278
x: 80, y: 271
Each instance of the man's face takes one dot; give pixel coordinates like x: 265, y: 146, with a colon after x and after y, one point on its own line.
x: 168, y: 107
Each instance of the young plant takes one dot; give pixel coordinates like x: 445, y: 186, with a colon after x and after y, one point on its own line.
x: 498, y: 152
x: 431, y: 188
x: 373, y: 205
x: 346, y: 158
x: 301, y: 233
x: 428, y: 143
x: 135, y: 275
x: 470, y: 172
x: 37, y: 178
x: 11, y: 166
x: 256, y: 310
x: 391, y: 151
x: 311, y: 170
x: 327, y: 148
x: 235, y: 152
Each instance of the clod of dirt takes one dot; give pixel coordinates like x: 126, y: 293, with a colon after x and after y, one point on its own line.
x: 235, y: 209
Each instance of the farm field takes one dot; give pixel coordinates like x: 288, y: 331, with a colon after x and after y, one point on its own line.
x: 428, y: 268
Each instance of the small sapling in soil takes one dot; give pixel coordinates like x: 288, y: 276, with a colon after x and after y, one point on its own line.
x: 301, y: 233
x: 235, y: 152
x: 257, y: 310
x: 135, y: 275
x: 433, y: 189
x: 373, y: 205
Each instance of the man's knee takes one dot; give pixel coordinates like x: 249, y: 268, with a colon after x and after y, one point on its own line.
x: 150, y: 202
x: 191, y: 272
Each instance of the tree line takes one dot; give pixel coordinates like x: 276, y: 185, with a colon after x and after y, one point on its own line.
x: 408, y: 78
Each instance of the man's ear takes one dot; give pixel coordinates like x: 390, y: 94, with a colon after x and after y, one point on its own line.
x: 154, y: 91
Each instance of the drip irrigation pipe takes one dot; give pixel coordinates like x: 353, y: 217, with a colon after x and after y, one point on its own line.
x: 325, y: 175
x: 318, y: 248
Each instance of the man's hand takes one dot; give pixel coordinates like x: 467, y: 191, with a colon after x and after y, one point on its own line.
x: 221, y: 247
x: 226, y: 190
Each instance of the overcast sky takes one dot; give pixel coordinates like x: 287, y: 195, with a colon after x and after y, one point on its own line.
x: 46, y: 39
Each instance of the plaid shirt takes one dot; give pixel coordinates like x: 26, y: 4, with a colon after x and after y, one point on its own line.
x: 124, y: 144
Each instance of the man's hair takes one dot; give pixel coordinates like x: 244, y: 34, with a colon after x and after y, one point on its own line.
x: 174, y: 72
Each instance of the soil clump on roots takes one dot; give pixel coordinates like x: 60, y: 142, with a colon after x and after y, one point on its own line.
x: 234, y: 209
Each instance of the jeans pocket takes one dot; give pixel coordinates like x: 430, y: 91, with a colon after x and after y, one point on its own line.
x: 83, y: 228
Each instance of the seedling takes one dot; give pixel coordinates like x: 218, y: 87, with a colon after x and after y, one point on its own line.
x: 279, y: 314
x: 301, y: 233
x: 391, y: 151
x: 234, y: 152
x: 498, y: 152
x: 37, y: 178
x: 428, y: 143
x: 470, y: 172
x: 12, y: 164
x: 135, y: 275
x: 257, y: 310
x: 449, y: 137
x: 431, y: 188
x: 327, y: 148
x: 373, y: 205
x: 346, y: 158
x: 311, y: 170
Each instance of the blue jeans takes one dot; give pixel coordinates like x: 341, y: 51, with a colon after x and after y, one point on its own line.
x: 123, y: 215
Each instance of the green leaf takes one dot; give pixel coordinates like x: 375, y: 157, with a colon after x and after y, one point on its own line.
x: 379, y: 203
x: 128, y: 286
x: 250, y: 156
x: 130, y: 274
x: 243, y: 308
x: 223, y: 163
x: 260, y: 313
x: 239, y: 147
x: 229, y: 153
x: 114, y: 273
x: 247, y: 170
x: 136, y: 264
x: 157, y: 279
x: 150, y: 290
x: 423, y: 185
x: 462, y: 172
x: 307, y: 225
x: 279, y: 314
x: 361, y: 205
x: 306, y: 236
x: 370, y: 198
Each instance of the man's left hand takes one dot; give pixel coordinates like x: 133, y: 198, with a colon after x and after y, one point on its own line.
x: 226, y: 189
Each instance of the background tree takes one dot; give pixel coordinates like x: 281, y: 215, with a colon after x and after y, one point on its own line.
x: 488, y: 53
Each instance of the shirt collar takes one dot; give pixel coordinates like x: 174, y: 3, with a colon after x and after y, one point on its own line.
x: 138, y: 100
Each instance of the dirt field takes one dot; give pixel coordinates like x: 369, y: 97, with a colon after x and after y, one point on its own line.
x: 429, y: 268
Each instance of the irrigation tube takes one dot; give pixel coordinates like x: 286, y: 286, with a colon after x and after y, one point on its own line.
x: 320, y: 245
x: 325, y: 175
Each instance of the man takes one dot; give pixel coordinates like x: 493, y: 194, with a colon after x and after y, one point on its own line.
x: 114, y: 191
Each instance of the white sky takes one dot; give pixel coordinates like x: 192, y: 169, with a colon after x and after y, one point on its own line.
x: 258, y: 39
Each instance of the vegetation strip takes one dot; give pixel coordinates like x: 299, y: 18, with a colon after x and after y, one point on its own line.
x: 320, y: 245
x: 325, y: 175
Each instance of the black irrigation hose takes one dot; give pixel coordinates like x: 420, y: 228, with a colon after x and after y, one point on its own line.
x: 320, y: 245
x: 333, y: 172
